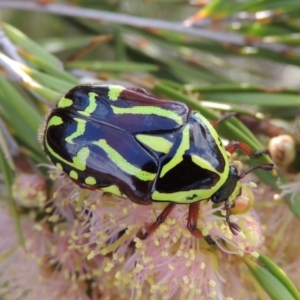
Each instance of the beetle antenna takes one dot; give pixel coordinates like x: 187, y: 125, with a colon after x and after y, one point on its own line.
x: 266, y: 167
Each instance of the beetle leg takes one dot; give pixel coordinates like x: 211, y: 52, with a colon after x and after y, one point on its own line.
x: 235, y: 145
x: 265, y: 167
x: 234, y: 228
x: 209, y: 240
x: 216, y: 123
x: 160, y: 219
x: 192, y: 219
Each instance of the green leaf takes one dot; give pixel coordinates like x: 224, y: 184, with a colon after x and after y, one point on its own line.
x: 270, y: 283
x: 20, y: 39
x: 59, y: 73
x: 21, y: 116
x: 49, y: 81
x: 239, y: 88
x: 293, y: 199
x: 8, y: 176
x: 294, y: 203
x: 118, y: 66
x: 279, y: 274
x: 262, y: 99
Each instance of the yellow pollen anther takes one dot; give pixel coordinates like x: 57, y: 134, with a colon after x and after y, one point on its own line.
x: 212, y: 283
x: 253, y: 184
x: 185, y: 279
x: 164, y: 254
x: 91, y: 255
x: 188, y: 263
x: 213, y: 294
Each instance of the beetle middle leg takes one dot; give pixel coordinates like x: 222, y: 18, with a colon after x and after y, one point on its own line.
x: 159, y: 220
x: 234, y: 228
x: 192, y: 220
x: 192, y: 223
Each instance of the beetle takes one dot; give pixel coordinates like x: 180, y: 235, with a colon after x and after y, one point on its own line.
x: 128, y: 142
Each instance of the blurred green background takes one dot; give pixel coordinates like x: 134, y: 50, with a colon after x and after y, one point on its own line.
x: 217, y: 56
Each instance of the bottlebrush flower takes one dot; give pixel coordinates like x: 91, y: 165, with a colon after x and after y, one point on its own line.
x: 29, y: 190
x: 88, y: 248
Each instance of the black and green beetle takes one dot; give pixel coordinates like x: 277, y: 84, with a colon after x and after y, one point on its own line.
x: 128, y: 142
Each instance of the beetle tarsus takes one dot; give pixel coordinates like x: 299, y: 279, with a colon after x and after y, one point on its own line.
x: 195, y: 232
x: 142, y: 235
x: 259, y: 153
x: 209, y: 240
x: 234, y: 228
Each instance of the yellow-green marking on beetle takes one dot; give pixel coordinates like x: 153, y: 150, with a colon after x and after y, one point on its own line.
x: 114, y: 92
x: 78, y: 132
x: 148, y: 110
x: 235, y: 193
x: 91, y: 106
x: 123, y: 164
x: 156, y: 143
x: 79, y: 160
x: 182, y: 197
x: 55, y: 121
x: 73, y: 174
x: 178, y: 157
x: 112, y: 189
x: 90, y: 180
x: 216, y: 138
x: 203, y: 163
x: 64, y: 102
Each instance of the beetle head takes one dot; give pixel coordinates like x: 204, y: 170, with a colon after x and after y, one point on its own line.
x: 232, y: 187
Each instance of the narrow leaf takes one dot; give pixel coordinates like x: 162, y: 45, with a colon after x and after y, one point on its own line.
x: 280, y: 274
x: 23, y: 41
x: 8, y: 179
x: 271, y: 284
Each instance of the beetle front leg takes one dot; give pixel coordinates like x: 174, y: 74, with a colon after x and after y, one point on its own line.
x: 235, y: 145
x: 234, y: 228
x: 192, y: 220
x: 160, y: 219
